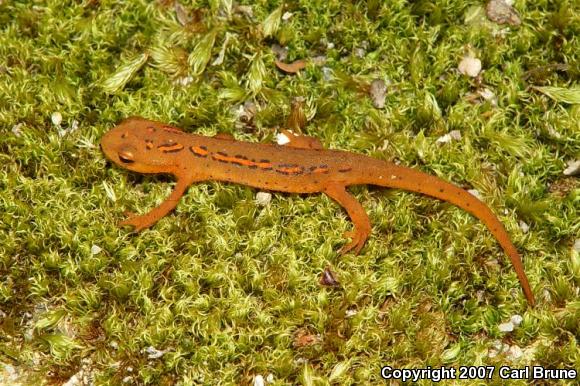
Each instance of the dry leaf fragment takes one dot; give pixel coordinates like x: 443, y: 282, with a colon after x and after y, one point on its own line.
x: 181, y: 13
x: 291, y: 68
x: 304, y: 338
x: 328, y: 279
x: 500, y: 12
x: 297, y: 118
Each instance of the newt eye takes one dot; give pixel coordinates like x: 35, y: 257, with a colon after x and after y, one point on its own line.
x: 126, y: 157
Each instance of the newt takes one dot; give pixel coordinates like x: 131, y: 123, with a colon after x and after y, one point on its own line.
x: 301, y: 166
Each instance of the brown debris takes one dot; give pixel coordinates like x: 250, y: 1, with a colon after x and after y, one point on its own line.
x: 563, y: 186
x: 297, y: 118
x: 500, y: 12
x: 328, y: 278
x: 303, y: 338
x: 291, y: 68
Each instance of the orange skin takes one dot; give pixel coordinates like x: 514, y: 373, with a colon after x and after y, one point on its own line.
x: 301, y: 166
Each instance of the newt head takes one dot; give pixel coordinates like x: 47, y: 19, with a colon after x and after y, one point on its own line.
x: 129, y: 145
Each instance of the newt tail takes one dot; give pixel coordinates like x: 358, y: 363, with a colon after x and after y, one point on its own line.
x: 300, y: 166
x: 393, y: 176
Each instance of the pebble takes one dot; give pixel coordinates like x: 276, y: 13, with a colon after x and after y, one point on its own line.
x: 378, y: 92
x: 516, y: 320
x: 153, y: 353
x: 259, y: 380
x: 506, y: 327
x: 573, y: 168
x: 514, y: 352
x: 16, y: 129
x: 56, y: 118
x: 263, y: 198
x: 452, y: 135
x: 470, y: 66
x: 95, y: 249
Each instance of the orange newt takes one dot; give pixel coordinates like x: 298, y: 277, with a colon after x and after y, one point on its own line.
x: 301, y: 166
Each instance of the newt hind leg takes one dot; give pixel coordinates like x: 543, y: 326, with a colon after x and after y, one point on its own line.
x: 357, y: 214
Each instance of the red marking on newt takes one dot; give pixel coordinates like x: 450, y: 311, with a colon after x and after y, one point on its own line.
x: 322, y: 169
x: 200, y: 151
x: 173, y: 130
x: 170, y: 148
x: 319, y: 170
x: 264, y: 164
x: 290, y: 169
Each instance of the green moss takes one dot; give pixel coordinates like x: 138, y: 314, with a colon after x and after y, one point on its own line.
x: 224, y: 287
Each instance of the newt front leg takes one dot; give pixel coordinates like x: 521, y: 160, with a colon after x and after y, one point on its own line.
x: 143, y: 221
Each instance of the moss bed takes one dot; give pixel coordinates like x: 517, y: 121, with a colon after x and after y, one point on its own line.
x: 226, y: 291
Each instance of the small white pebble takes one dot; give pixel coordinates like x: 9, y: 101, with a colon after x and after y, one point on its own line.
x: 330, y: 46
x: 470, y: 66
x: 286, y: 16
x: 497, y: 347
x: 153, y: 353
x: 514, y: 352
x: 95, y: 249
x: 72, y: 381
x: 553, y: 133
x: 185, y: 80
x: 452, y: 135
x: 16, y: 129
x: 114, y: 345
x: 524, y: 227
x: 360, y: 52
x: 516, y: 320
x: 506, y: 327
x: 127, y: 379
x: 263, y: 198
x: 350, y: 313
x: 378, y: 93
x: 475, y: 192
x: 488, y: 95
x: 259, y: 380
x: 56, y: 118
x: 282, y: 139
x: 573, y: 168
x: 270, y: 378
